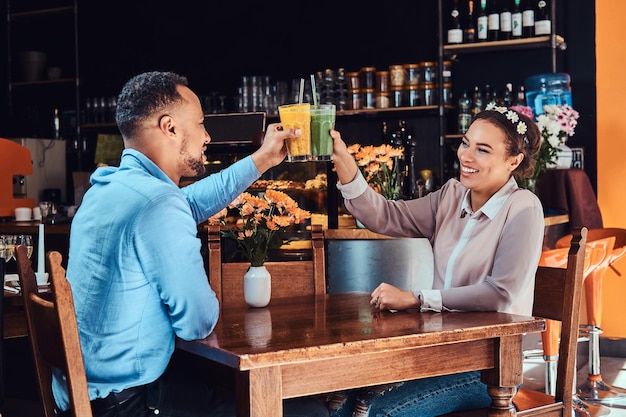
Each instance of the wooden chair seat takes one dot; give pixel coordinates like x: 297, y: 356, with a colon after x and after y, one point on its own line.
x: 558, y: 292
x: 53, y: 334
x: 289, y: 278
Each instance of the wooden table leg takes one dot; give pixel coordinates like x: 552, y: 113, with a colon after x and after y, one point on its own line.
x: 502, y: 381
x: 259, y: 393
x: 501, y: 401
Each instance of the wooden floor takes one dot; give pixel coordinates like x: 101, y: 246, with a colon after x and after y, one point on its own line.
x: 21, y: 392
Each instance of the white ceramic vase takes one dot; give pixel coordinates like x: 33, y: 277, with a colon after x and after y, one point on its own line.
x: 257, y: 286
x: 564, y: 156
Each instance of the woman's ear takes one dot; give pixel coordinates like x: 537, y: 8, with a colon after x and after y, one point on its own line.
x: 516, y: 160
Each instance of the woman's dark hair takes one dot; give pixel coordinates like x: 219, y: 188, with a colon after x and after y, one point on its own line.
x: 527, y: 143
x: 144, y: 95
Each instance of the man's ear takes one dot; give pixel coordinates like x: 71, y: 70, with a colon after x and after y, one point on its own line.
x: 167, y: 125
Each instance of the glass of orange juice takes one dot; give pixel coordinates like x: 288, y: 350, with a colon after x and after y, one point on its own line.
x: 297, y: 116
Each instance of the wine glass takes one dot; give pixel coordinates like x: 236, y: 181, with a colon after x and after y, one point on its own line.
x: 26, y: 240
x: 9, y: 245
x: 45, y: 207
x: 3, y: 251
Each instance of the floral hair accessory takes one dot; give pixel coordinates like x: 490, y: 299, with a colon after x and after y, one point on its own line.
x: 511, y: 115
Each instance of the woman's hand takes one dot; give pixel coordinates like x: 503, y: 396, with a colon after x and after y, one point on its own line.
x: 344, y: 162
x: 386, y: 296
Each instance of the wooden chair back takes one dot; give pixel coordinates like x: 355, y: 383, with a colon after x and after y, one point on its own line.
x: 53, y: 334
x: 2, y: 272
x: 558, y: 293
x: 289, y: 278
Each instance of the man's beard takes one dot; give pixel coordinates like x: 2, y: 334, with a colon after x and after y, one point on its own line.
x: 195, y: 166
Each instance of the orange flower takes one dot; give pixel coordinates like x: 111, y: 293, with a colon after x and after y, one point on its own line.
x: 379, y: 165
x: 261, y: 223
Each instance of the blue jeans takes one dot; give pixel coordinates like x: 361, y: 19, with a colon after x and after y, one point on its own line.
x: 427, y: 397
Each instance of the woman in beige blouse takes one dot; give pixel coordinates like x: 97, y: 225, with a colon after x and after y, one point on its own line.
x: 486, y: 235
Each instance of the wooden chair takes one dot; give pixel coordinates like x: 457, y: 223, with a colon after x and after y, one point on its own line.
x: 53, y: 334
x: 594, y: 388
x: 2, y: 272
x: 558, y: 293
x: 595, y: 254
x: 289, y: 278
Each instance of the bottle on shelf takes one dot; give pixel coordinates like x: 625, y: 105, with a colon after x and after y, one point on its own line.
x: 482, y: 21
x: 384, y: 133
x: 465, y: 115
x: 488, y: 95
x: 455, y: 33
x: 493, y: 22
x: 516, y: 21
x: 342, y: 90
x: 528, y: 19
x: 477, y: 102
x: 469, y: 34
x: 56, y: 124
x: 520, y: 99
x: 496, y: 98
x: 543, y: 24
x: 410, y: 178
x: 506, y: 22
x: 508, y: 98
x: 399, y: 139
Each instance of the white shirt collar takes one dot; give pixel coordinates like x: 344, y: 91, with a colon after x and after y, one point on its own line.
x: 493, y: 205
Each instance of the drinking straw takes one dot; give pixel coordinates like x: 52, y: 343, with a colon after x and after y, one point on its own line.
x: 314, y: 90
x: 301, y: 91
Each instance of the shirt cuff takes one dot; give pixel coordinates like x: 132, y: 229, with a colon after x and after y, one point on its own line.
x: 431, y: 300
x: 354, y: 188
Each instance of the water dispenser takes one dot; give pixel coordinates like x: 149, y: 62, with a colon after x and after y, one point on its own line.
x: 552, y: 88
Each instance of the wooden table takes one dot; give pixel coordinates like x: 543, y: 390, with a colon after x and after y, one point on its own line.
x: 308, y: 345
x: 13, y: 313
x: 56, y: 238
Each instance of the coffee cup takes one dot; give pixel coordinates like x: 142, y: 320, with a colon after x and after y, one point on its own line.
x: 23, y: 214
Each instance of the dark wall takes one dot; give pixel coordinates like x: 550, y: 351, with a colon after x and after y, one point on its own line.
x: 215, y: 43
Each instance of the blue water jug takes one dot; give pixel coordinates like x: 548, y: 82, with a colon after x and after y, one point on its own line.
x: 552, y: 88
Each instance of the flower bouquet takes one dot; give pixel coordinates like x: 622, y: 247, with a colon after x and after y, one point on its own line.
x: 381, y: 167
x: 260, y: 224
x: 556, y: 125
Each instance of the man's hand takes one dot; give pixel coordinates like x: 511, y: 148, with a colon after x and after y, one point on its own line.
x: 273, y: 150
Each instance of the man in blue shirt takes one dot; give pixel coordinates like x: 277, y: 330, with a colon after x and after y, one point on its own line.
x: 135, y: 266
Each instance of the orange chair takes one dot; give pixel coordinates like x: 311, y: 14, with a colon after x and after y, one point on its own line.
x: 594, y: 388
x: 557, y: 258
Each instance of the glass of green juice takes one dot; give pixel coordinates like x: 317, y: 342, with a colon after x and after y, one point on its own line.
x: 322, y: 121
